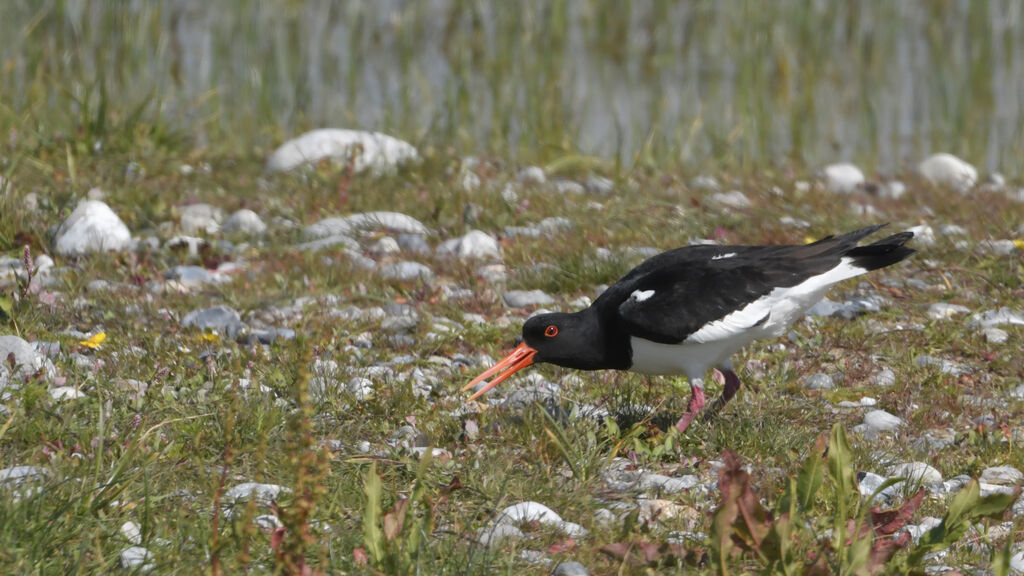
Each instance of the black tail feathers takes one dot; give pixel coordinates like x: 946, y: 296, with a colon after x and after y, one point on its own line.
x: 885, y: 252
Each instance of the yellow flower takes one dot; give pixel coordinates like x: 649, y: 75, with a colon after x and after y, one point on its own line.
x: 1019, y: 243
x: 809, y: 240
x: 95, y: 340
x: 211, y: 337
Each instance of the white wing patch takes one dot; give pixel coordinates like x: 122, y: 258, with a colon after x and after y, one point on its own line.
x: 641, y: 295
x: 723, y: 256
x: 772, y: 313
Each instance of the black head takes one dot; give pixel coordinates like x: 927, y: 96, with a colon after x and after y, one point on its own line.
x: 569, y: 340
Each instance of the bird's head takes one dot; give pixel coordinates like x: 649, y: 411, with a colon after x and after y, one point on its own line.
x: 557, y: 338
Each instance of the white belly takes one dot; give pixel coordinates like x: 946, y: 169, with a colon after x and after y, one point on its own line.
x: 691, y: 359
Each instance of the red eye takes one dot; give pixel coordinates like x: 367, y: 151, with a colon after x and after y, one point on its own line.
x: 551, y: 331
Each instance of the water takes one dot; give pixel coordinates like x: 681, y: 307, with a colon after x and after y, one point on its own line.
x: 734, y: 84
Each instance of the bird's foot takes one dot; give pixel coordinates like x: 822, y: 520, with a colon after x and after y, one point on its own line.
x: 730, y: 385
x: 696, y: 404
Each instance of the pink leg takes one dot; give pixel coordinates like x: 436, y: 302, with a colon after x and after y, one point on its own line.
x: 730, y: 386
x: 694, y: 407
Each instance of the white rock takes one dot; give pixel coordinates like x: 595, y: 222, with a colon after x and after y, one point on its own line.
x: 944, y: 310
x: 666, y: 484
x: 246, y: 222
x: 995, y: 335
x: 131, y: 532
x: 915, y: 472
x: 526, y: 512
x: 893, y: 190
x: 532, y: 175
x: 265, y: 494
x: 27, y: 360
x: 92, y: 227
x: 882, y: 421
x: 201, y: 218
x: 136, y: 558
x: 1002, y: 476
x: 497, y: 533
x: 65, y: 393
x: 366, y: 221
x: 923, y: 235
x: 884, y: 377
x: 844, y: 178
x: 998, y: 247
x: 18, y: 475
x: 524, y: 298
x: 1004, y: 316
x: 1017, y: 563
x: 478, y: 245
x: 947, y: 170
x: 370, y: 151
x: 1017, y: 393
x: 733, y: 199
x: 406, y: 270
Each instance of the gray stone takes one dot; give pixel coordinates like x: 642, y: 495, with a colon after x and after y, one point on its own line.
x: 193, y: 276
x: 869, y: 483
x: 915, y: 472
x: 221, y: 318
x: 526, y: 298
x: 705, y: 183
x: 884, y: 377
x: 1004, y: 316
x: 733, y: 199
x: 131, y: 532
x: 385, y: 246
x: 349, y: 225
x: 820, y: 381
x: 264, y: 494
x: 532, y: 175
x: 371, y: 152
x: 136, y: 558
x: 881, y: 421
x: 944, y: 366
x: 92, y: 227
x: 568, y: 187
x: 1002, y: 476
x: 244, y: 222
x: 414, y: 243
x: 893, y: 190
x: 201, y: 218
x: 475, y: 245
x: 1017, y: 393
x: 945, y: 310
x: 998, y: 247
x: 667, y: 484
x: 406, y: 271
x: 17, y: 475
x: 27, y: 360
x: 329, y: 242
x: 995, y: 335
x: 599, y: 185
x: 1017, y: 563
x: 570, y: 569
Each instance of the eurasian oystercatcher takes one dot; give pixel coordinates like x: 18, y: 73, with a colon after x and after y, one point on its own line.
x: 686, y: 311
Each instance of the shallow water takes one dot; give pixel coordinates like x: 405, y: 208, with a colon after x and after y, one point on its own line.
x: 734, y: 83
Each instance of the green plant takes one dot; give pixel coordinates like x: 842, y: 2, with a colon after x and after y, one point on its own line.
x: 787, y: 540
x: 395, y: 541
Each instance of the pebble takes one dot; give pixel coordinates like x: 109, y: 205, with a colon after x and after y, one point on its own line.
x: 705, y: 182
x: 475, y: 245
x: 526, y: 298
x: 1017, y: 393
x: 947, y: 170
x: 570, y: 569
x: 201, y: 218
x: 665, y: 484
x: 892, y: 190
x: 944, y: 366
x: 884, y: 377
x: 733, y: 199
x: 998, y: 247
x: 62, y: 393
x: 26, y: 359
x: 945, y: 310
x: 995, y: 335
x: 1002, y: 476
x: 868, y: 483
x: 92, y: 227
x: 843, y: 178
x: 131, y: 532
x: 1017, y: 563
x: 136, y: 558
x: 847, y: 310
x: 820, y: 381
x: 17, y: 475
x: 599, y: 185
x: 528, y: 512
x: 924, y: 235
x: 264, y: 494
x: 348, y: 225
x: 531, y: 175
x: 385, y: 246
x: 498, y: 533
x: 406, y: 271
x: 1002, y: 317
x: 568, y: 187
x: 915, y: 472
x: 222, y: 318
x: 194, y: 276
x: 244, y: 222
x: 881, y: 421
x: 371, y: 152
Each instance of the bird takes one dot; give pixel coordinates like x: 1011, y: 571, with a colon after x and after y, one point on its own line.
x: 686, y: 311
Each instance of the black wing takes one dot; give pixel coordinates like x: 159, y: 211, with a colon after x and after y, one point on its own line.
x: 694, y: 286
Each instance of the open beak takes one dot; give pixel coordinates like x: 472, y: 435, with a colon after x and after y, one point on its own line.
x: 518, y: 359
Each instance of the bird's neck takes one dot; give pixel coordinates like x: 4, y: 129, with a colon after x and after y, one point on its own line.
x: 608, y: 348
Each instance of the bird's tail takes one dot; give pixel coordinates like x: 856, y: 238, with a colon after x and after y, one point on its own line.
x: 885, y: 252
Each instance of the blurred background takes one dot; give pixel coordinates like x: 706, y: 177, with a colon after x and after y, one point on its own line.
x: 732, y: 84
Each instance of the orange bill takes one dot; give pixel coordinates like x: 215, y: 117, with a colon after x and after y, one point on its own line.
x: 518, y: 359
